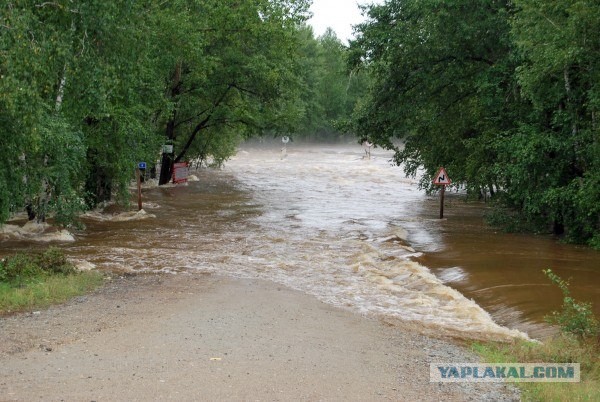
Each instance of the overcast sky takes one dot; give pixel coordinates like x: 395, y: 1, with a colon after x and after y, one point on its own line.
x: 337, y: 14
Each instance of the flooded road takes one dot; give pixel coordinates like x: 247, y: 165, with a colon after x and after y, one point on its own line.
x: 352, y: 231
x: 503, y: 272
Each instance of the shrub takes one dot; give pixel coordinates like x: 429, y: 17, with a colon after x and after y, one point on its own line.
x: 18, y: 268
x: 54, y: 261
x: 576, y: 317
x: 595, y: 242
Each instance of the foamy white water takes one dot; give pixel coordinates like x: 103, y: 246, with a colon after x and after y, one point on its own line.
x: 346, y: 229
x: 38, y: 232
x: 339, y: 226
x: 323, y: 220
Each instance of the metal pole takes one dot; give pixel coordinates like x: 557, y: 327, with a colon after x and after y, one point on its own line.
x: 139, y: 187
x: 442, y: 202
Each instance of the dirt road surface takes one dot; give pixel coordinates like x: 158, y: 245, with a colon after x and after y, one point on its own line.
x: 190, y: 337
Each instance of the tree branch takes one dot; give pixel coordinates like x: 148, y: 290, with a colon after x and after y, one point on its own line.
x: 191, y: 118
x: 202, y: 125
x: 241, y: 89
x: 49, y: 3
x: 471, y: 58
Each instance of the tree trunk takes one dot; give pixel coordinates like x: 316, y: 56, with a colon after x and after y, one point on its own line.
x: 166, y: 163
x: 98, y: 186
x: 166, y: 169
x: 166, y: 166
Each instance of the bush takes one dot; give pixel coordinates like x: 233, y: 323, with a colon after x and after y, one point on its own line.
x: 512, y: 221
x: 595, y: 242
x: 21, y: 267
x: 576, y: 318
x: 54, y: 261
x: 18, y: 268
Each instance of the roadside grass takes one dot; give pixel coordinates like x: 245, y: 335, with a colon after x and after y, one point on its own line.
x: 47, y: 291
x: 577, y: 342
x: 34, y: 281
x: 563, y: 348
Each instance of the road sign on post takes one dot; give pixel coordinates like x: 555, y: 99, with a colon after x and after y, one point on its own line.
x: 441, y: 178
x: 285, y: 139
x: 138, y: 179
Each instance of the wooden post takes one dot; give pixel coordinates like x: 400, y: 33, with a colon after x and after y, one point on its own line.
x: 442, y: 202
x: 138, y: 176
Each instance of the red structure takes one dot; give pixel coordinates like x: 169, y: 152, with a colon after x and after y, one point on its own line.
x: 180, y: 172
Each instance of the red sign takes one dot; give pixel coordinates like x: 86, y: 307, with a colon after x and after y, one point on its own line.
x: 180, y: 172
x: 441, y: 178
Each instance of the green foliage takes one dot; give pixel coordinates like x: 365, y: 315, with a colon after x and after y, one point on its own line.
x: 560, y: 349
x: 65, y: 67
x: 46, y: 291
x: 90, y: 88
x: 510, y: 220
x: 505, y: 95
x: 576, y: 318
x: 329, y: 91
x: 443, y: 85
x: 214, y: 147
x: 20, y: 268
x: 54, y: 261
x: 38, y: 280
x: 595, y: 242
x: 233, y: 76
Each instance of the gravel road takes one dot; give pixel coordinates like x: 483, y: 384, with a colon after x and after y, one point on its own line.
x: 200, y: 337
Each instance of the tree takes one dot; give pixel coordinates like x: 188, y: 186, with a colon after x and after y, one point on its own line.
x: 233, y: 74
x: 76, y: 102
x: 113, y: 91
x: 329, y: 90
x: 553, y: 160
x: 503, y: 94
x: 41, y: 150
x: 90, y: 88
x: 443, y: 85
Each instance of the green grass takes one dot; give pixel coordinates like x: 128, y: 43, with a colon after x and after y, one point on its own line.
x: 578, y: 342
x: 562, y: 349
x: 35, y: 281
x: 45, y: 291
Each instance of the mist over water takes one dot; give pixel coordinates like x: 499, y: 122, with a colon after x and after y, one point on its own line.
x: 352, y: 231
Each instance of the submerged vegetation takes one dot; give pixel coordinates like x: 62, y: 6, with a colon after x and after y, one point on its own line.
x: 30, y: 281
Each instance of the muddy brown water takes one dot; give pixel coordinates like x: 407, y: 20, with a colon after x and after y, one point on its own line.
x: 352, y: 231
x: 503, y: 272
